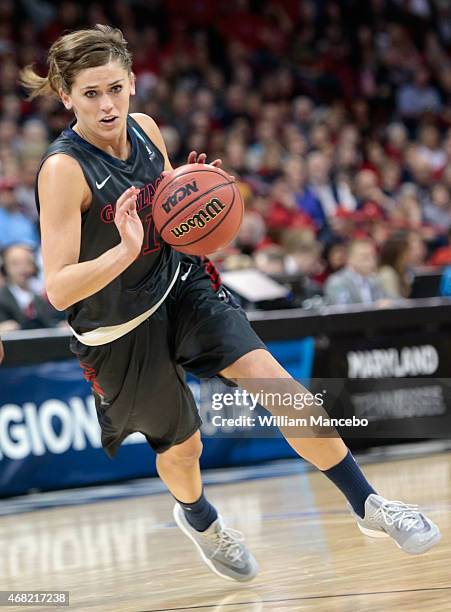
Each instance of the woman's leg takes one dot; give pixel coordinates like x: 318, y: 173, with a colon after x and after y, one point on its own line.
x: 179, y: 469
x: 376, y: 516
x: 222, y: 550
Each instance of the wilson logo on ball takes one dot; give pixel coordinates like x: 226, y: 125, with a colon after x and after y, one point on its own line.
x: 179, y: 195
x: 200, y: 219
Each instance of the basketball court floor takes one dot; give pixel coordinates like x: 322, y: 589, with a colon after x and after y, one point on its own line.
x: 125, y: 554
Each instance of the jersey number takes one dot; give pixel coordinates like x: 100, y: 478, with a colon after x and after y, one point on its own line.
x: 151, y: 243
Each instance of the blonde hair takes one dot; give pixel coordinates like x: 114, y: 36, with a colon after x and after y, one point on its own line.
x: 74, y: 52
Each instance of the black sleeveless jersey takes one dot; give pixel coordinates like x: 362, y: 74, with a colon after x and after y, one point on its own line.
x: 146, y: 280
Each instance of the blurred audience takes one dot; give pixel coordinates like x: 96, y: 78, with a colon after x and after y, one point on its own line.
x: 334, y: 117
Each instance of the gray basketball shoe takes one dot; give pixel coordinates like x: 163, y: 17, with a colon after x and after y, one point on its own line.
x: 411, y: 530
x: 222, y: 549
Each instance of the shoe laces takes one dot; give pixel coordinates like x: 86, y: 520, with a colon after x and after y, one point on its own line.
x: 228, y: 541
x: 404, y: 516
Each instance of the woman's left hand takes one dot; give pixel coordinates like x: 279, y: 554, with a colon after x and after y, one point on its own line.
x: 194, y: 158
x: 201, y: 158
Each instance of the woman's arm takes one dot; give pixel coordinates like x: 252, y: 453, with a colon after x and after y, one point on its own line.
x: 62, y: 193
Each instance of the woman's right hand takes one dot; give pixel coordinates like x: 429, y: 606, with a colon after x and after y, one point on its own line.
x: 128, y: 222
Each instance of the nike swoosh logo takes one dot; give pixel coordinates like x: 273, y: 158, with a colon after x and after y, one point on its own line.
x: 185, y: 276
x: 100, y: 185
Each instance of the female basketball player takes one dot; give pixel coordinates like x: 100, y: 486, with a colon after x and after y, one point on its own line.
x: 142, y: 313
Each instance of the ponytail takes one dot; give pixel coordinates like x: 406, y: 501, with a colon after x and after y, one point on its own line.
x: 35, y: 84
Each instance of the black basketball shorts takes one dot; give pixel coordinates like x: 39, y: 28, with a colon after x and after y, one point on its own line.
x: 138, y: 381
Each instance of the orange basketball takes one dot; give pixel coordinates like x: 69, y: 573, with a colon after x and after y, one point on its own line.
x: 198, y: 209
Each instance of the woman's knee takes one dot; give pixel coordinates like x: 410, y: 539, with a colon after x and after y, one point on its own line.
x: 258, y: 363
x: 186, y: 452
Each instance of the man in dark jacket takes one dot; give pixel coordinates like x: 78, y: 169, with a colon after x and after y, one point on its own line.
x: 20, y: 306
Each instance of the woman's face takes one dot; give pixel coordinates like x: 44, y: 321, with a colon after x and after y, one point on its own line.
x: 100, y: 99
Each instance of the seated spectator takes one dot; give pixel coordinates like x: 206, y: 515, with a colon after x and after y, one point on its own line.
x: 305, y: 259
x: 367, y: 190
x: 390, y: 178
x: 374, y: 157
x: 307, y: 204
x: 437, y: 211
x: 34, y: 138
x: 303, y: 113
x: 396, y: 143
x: 295, y: 174
x: 429, y: 149
x: 335, y: 255
x: 16, y: 227
x: 330, y: 193
x: 20, y: 306
x: 295, y: 143
x: 418, y: 250
x: 269, y: 169
x: 419, y: 173
x: 419, y: 97
x: 270, y: 260
x: 235, y: 157
x: 25, y: 189
x: 348, y: 159
x: 265, y: 136
x: 393, y: 266
x: 252, y: 232
x: 304, y: 263
x: 356, y: 283
x: 283, y: 209
x: 294, y: 237
x: 408, y: 213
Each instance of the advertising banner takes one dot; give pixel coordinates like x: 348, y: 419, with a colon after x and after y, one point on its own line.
x: 399, y: 382
x: 50, y: 437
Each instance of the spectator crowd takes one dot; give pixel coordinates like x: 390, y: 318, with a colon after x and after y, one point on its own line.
x: 334, y: 116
